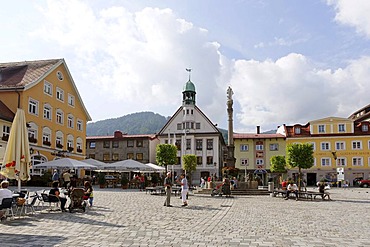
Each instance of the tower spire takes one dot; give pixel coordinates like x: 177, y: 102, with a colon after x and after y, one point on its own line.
x: 189, y: 71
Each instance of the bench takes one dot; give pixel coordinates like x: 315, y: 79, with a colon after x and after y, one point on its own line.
x: 281, y: 192
x: 313, y: 194
x: 157, y: 190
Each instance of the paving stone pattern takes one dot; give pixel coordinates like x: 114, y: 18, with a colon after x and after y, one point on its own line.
x: 134, y: 218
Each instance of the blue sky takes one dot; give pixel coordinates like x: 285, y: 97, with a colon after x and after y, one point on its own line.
x: 287, y: 61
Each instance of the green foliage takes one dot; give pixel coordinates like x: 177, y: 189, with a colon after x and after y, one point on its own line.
x: 190, y: 163
x: 124, y: 179
x: 300, y: 155
x: 101, y: 178
x: 166, y: 154
x: 278, y: 164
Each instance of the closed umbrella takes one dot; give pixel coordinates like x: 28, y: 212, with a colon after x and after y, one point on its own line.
x: 17, y: 158
x: 65, y: 163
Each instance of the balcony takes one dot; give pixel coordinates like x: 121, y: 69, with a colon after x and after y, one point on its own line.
x: 46, y: 143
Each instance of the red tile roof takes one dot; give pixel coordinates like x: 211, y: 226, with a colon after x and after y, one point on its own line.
x: 19, y: 74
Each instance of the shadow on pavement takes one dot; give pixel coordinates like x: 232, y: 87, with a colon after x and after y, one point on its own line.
x: 36, y: 240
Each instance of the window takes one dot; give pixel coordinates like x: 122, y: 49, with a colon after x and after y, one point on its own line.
x: 33, y: 107
x: 259, y: 162
x: 340, y: 146
x: 6, y: 130
x: 79, y: 146
x: 178, y: 144
x: 70, y: 121
x: 209, y: 160
x: 259, y: 147
x: 341, y: 128
x: 209, y: 144
x: 47, y: 112
x: 70, y: 144
x: 130, y: 143
x: 106, y: 144
x: 60, y: 94
x: 71, y: 100
x: 106, y: 157
x: 244, y: 162
x: 199, y: 144
x: 321, y: 128
x: 139, y: 156
x: 244, y: 147
x: 130, y: 156
x: 179, y: 126
x: 187, y: 125
x: 365, y: 128
x: 139, y: 143
x: 297, y: 130
x: 60, y: 117
x: 60, y: 76
x: 274, y: 147
x: 79, y: 125
x: 325, y: 162
x: 115, y: 156
x: 357, y: 161
x: 188, y: 144
x: 356, y: 145
x: 325, y: 146
x: 92, y: 145
x: 115, y: 144
x: 199, y: 160
x: 46, y: 139
x: 192, y: 125
x: 341, y: 162
x: 48, y: 88
x: 59, y: 142
x: 92, y: 156
x: 197, y: 126
x: 32, y: 133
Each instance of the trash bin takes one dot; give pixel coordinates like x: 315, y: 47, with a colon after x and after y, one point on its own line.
x: 270, y: 186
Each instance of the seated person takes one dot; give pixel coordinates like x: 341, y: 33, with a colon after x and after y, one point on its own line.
x: 55, y: 191
x: 4, y: 193
x: 292, y: 188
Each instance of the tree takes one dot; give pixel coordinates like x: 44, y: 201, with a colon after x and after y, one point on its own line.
x: 278, y: 163
x: 166, y: 154
x: 190, y: 163
x: 301, y: 156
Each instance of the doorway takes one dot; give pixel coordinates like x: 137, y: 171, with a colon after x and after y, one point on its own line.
x: 311, y: 179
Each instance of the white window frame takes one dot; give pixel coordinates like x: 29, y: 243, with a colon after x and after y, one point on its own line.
x: 356, y: 145
x: 274, y: 147
x: 325, y: 161
x: 60, y: 116
x: 70, y: 120
x: 297, y: 130
x: 321, y: 128
x: 244, y: 147
x: 48, y: 88
x: 365, y: 128
x: 325, y: 146
x: 47, y: 112
x: 357, y: 161
x: 33, y: 107
x: 259, y: 147
x: 259, y: 162
x: 341, y: 128
x: 340, y: 145
x: 79, y: 125
x: 341, y: 161
x: 71, y: 100
x: 60, y: 94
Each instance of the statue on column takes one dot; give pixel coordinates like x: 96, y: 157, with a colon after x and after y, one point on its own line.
x: 230, y: 93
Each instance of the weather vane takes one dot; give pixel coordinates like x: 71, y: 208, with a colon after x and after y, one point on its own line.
x: 188, y: 70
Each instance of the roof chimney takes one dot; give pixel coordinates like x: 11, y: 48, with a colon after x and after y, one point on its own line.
x: 258, y: 129
x: 117, y: 134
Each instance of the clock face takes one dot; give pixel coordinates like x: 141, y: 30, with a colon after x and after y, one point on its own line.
x: 60, y: 75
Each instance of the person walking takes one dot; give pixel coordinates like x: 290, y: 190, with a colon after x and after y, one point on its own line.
x: 168, y: 188
x: 55, y: 176
x: 66, y: 179
x: 184, y: 190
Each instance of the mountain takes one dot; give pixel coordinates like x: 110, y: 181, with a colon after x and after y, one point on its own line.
x: 133, y: 124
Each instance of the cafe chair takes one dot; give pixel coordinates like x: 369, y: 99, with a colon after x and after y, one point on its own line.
x: 27, y: 205
x: 7, y: 203
x: 51, y: 199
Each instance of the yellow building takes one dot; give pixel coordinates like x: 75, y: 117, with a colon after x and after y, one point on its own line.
x: 340, y: 144
x: 254, y: 151
x: 54, y: 109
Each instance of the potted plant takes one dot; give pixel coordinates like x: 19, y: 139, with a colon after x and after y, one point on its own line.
x: 101, y: 180
x: 124, y: 181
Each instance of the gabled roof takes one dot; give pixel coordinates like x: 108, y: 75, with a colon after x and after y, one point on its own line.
x: 5, y: 113
x: 26, y: 74
x: 330, y: 119
x: 256, y: 136
x: 361, y: 114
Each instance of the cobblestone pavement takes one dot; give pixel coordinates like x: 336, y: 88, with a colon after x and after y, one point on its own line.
x: 132, y: 218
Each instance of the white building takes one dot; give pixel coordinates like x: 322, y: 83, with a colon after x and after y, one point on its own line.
x: 193, y: 133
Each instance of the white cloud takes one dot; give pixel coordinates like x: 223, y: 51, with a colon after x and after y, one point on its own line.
x: 353, y: 13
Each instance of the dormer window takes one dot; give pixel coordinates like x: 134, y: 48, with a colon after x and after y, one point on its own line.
x: 365, y: 128
x: 297, y: 130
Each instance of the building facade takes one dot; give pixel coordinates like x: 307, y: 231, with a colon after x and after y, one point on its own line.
x: 253, y: 152
x: 341, y: 145
x: 193, y: 133
x: 55, y: 113
x: 121, y: 146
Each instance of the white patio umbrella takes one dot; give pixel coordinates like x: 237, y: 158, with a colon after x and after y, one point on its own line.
x: 65, y: 163
x: 99, y: 164
x: 17, y: 158
x: 128, y: 165
x: 156, y: 167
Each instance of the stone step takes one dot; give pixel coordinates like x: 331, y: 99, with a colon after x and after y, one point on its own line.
x: 237, y: 192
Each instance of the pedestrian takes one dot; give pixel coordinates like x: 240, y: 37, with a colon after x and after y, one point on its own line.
x: 202, y: 182
x: 184, y: 190
x: 88, y: 193
x: 55, y: 176
x: 168, y: 187
x: 142, y: 182
x: 66, y: 179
